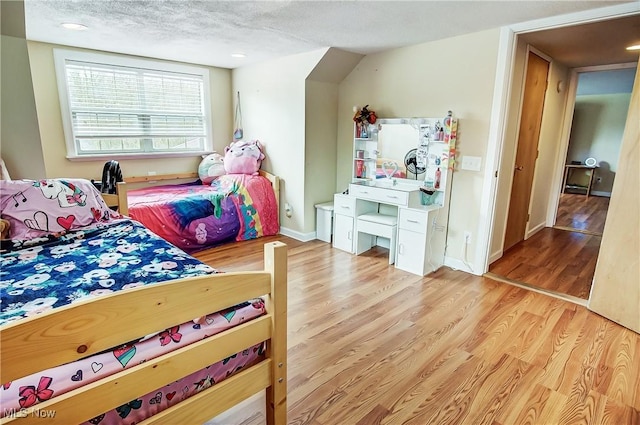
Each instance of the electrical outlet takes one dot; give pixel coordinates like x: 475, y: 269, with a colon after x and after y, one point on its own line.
x: 288, y: 210
x: 467, y: 237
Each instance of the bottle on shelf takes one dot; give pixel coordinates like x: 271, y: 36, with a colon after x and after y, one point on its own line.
x: 363, y: 132
x: 361, y: 169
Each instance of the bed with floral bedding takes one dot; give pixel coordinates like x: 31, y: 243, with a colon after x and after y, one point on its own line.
x: 68, y: 251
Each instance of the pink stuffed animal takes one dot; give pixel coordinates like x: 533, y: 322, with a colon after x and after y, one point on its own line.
x: 243, y: 157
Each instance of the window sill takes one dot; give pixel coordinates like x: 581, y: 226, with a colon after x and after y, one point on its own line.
x: 120, y: 156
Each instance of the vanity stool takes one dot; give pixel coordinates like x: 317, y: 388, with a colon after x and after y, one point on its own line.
x: 374, y: 224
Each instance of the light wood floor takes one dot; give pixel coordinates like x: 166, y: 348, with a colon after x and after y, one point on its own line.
x: 370, y: 344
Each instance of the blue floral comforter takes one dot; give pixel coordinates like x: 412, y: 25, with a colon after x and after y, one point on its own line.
x: 58, y: 270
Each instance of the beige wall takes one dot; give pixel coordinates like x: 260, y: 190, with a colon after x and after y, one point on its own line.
x: 427, y: 80
x: 53, y: 142
x: 273, y: 109
x: 598, y: 124
x: 20, y: 144
x: 321, y: 109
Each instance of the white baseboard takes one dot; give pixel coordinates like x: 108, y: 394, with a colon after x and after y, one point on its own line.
x: 598, y: 193
x: 302, y: 237
x: 496, y: 255
x: 458, y: 264
x: 535, y: 230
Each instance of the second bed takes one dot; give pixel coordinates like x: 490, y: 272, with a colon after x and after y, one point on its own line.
x: 194, y: 216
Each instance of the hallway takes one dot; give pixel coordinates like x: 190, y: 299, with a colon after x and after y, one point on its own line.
x: 559, y: 260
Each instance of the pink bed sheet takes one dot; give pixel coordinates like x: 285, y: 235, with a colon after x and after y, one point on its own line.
x: 156, y: 401
x: 33, y: 389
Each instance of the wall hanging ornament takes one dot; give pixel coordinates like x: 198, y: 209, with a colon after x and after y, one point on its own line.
x: 237, y: 132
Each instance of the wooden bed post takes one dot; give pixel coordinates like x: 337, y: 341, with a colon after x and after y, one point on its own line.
x: 121, y: 191
x: 119, y: 199
x: 275, y: 262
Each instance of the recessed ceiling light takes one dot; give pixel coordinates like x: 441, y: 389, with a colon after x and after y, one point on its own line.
x: 634, y: 47
x: 74, y: 26
x: 238, y: 55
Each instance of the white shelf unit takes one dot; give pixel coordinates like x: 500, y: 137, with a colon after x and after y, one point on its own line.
x: 365, y: 154
x: 434, y: 141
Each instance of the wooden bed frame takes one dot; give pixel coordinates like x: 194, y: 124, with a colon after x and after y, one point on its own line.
x: 121, y: 198
x: 75, y: 331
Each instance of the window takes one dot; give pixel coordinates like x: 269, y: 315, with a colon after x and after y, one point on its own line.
x: 119, y: 106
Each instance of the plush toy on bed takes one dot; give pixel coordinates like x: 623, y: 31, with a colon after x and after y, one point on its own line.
x: 243, y: 157
x: 210, y: 168
x: 4, y: 228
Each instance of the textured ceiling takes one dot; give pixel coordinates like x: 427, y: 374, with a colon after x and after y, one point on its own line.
x: 207, y: 32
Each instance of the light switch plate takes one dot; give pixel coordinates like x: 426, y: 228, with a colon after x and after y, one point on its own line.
x: 471, y: 163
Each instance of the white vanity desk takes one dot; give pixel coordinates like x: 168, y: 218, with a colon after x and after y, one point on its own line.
x: 419, y: 232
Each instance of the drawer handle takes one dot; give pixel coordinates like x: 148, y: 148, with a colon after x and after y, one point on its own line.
x: 345, y: 206
x: 392, y: 196
x: 349, y: 237
x: 365, y: 192
x: 401, y: 249
x: 412, y: 221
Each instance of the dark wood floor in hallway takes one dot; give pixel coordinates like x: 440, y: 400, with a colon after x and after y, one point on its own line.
x: 370, y: 344
x: 552, y: 259
x: 559, y: 259
x: 582, y: 213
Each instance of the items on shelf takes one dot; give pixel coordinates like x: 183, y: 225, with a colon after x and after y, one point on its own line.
x: 363, y: 119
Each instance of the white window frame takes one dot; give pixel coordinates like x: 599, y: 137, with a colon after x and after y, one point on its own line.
x: 60, y: 58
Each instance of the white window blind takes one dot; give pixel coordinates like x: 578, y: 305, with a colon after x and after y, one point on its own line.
x: 126, y: 109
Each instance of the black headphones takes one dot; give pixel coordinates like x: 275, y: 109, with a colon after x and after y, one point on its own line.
x: 111, y: 175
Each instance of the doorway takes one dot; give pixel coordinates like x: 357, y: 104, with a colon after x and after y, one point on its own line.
x: 600, y: 107
x: 561, y: 258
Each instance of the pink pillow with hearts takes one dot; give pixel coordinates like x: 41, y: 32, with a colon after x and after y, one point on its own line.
x: 40, y: 207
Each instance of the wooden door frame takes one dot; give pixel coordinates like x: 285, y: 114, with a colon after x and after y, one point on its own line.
x: 500, y: 111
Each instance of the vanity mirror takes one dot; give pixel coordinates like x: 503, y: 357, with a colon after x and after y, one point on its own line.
x: 409, y: 150
x: 398, y: 142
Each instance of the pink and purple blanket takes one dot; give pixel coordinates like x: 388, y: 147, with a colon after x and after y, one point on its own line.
x: 195, y: 216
